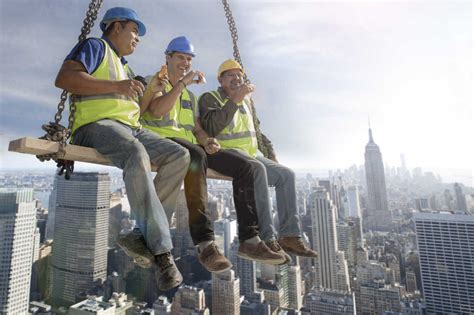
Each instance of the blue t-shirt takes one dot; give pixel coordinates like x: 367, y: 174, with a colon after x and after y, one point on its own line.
x: 90, y: 53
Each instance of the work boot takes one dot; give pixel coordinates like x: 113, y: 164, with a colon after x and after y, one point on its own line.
x: 294, y: 245
x: 212, y: 259
x: 167, y: 274
x: 260, y: 252
x: 134, y: 245
x: 274, y: 246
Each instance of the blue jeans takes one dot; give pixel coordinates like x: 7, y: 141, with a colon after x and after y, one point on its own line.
x: 132, y: 150
x: 269, y: 173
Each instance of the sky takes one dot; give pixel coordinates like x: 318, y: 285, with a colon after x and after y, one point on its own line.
x: 322, y: 69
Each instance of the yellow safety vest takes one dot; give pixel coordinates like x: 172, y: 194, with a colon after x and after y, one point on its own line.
x: 91, y: 108
x: 240, y: 133
x: 179, y: 122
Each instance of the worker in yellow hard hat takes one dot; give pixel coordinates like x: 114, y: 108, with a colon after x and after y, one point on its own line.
x: 226, y: 114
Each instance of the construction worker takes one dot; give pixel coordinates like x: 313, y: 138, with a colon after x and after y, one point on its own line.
x: 106, y: 118
x: 226, y: 115
x: 170, y: 110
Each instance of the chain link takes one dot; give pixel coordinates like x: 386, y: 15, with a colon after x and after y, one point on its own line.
x: 235, y: 37
x: 55, y: 131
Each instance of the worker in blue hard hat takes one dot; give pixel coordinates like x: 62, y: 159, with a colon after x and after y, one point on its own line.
x: 170, y: 110
x: 227, y: 115
x: 107, y: 119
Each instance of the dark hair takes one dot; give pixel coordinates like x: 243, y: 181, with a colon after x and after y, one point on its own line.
x: 109, y: 30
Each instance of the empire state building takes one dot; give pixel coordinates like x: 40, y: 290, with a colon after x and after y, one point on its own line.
x: 378, y: 214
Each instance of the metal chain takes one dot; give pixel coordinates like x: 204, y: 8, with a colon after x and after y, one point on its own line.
x: 55, y: 131
x: 235, y: 37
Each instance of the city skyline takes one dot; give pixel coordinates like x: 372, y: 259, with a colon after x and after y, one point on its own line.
x: 361, y: 59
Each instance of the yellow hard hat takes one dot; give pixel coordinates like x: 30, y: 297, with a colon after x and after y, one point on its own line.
x: 229, y: 64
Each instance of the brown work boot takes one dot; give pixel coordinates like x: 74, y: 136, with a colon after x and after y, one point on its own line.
x: 294, y: 245
x: 274, y: 246
x: 212, y: 259
x: 260, y: 252
x: 134, y: 245
x: 167, y: 274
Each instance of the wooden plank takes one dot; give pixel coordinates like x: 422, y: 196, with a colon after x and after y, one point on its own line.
x: 30, y: 145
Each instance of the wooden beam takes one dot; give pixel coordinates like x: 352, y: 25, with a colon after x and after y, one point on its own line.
x: 30, y: 145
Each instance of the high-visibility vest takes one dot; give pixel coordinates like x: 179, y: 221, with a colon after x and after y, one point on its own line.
x: 179, y: 122
x: 240, y: 133
x: 91, y: 108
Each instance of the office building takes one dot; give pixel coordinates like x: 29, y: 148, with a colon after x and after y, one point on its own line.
x: 446, y: 250
x: 17, y: 235
x: 80, y: 235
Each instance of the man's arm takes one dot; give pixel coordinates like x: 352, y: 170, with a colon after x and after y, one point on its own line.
x: 159, y: 106
x: 215, y: 118
x: 74, y: 78
x: 211, y: 145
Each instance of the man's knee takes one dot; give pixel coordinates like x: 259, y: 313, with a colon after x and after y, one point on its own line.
x: 198, y: 158
x: 138, y: 156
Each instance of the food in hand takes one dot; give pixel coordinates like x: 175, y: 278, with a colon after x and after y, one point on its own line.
x: 163, y: 73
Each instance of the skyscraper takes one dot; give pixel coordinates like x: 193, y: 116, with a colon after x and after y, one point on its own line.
x: 52, y: 209
x: 379, y: 216
x: 295, y: 289
x: 353, y: 203
x: 446, y: 248
x: 225, y: 293
x: 80, y: 235
x: 17, y: 229
x: 461, y: 204
x: 331, y: 264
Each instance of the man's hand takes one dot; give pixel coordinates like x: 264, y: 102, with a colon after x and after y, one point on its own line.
x: 130, y: 88
x: 157, y: 84
x: 212, y: 146
x: 194, y: 76
x: 241, y: 92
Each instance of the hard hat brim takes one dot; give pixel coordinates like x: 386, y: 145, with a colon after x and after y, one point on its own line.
x: 141, y: 26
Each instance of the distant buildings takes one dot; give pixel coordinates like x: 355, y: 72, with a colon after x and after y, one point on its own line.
x: 329, y: 302
x: 446, y: 248
x: 189, y: 301
x: 80, y: 236
x: 17, y: 231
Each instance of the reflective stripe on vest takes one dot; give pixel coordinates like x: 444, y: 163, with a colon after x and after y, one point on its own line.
x: 179, y: 122
x: 240, y: 133
x: 91, y: 108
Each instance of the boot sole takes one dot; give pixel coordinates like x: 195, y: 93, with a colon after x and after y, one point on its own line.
x: 141, y: 260
x: 259, y: 259
x: 299, y: 254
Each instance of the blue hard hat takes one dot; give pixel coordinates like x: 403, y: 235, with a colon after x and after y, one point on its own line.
x: 180, y: 44
x: 122, y: 14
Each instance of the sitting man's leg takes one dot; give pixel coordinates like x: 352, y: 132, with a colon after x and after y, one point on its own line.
x: 119, y: 143
x: 200, y: 225
x: 231, y: 163
x: 283, y: 179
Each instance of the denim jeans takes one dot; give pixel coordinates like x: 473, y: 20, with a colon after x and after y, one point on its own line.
x: 269, y: 173
x: 132, y: 150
